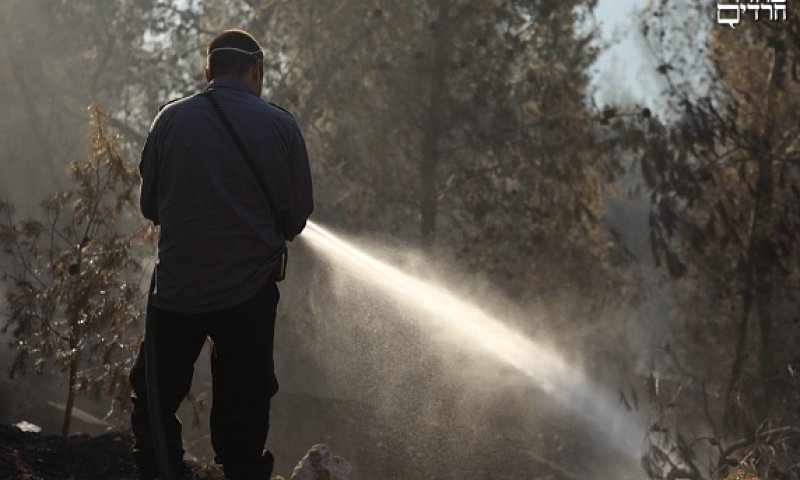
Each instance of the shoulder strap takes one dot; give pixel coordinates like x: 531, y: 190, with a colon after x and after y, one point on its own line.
x: 170, y: 103
x: 280, y: 108
x: 239, y: 145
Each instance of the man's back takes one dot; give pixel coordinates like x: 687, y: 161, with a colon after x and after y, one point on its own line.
x: 221, y: 238
x: 228, y: 188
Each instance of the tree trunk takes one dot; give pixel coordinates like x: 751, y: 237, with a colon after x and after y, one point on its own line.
x: 770, y: 351
x: 74, y: 338
x: 430, y: 142
x: 731, y: 415
x: 428, y: 202
x: 73, y: 377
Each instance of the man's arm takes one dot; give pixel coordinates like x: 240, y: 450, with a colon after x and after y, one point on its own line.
x: 150, y: 163
x: 294, y: 219
x: 148, y: 169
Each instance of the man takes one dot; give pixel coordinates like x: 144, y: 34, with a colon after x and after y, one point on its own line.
x: 227, y: 179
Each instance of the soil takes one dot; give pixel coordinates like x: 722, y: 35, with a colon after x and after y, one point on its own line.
x: 376, y: 447
x: 32, y: 456
x: 29, y: 456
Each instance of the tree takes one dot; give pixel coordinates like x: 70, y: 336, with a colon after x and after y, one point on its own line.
x: 723, y: 173
x: 73, y: 290
x: 461, y: 126
x: 57, y: 57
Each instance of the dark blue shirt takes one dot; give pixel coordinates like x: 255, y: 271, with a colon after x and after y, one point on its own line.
x: 220, y: 237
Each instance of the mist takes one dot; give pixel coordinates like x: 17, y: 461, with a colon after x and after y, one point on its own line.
x: 551, y: 240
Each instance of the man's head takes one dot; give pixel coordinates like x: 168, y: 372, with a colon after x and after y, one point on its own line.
x: 237, y: 53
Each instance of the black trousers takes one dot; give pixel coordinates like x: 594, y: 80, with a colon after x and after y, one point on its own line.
x: 243, y: 377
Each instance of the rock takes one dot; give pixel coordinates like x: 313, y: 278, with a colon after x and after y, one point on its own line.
x: 27, y: 426
x: 320, y: 464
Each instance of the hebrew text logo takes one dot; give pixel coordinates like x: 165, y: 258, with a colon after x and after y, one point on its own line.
x: 731, y: 13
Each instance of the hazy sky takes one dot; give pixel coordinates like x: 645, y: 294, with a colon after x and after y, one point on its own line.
x: 625, y: 71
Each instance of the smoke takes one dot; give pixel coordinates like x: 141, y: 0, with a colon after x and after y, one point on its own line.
x: 398, y: 395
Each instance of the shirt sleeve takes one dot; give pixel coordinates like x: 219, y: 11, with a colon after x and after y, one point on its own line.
x: 293, y: 221
x: 148, y: 169
x: 149, y: 166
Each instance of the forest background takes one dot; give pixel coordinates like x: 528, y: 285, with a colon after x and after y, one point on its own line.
x: 653, y: 241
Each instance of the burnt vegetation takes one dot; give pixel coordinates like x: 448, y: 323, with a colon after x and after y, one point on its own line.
x: 466, y: 130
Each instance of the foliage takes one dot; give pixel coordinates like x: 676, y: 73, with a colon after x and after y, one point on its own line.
x: 461, y: 126
x: 57, y: 57
x: 687, y: 436
x: 73, y: 293
x: 458, y: 125
x: 723, y: 172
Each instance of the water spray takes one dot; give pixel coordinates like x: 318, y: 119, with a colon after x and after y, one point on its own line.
x: 543, y: 365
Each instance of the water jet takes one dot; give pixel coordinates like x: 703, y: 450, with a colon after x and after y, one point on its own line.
x: 439, y: 307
